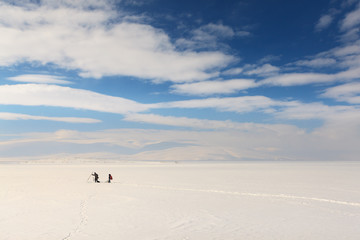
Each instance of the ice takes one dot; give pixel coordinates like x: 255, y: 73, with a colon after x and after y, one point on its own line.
x: 244, y: 200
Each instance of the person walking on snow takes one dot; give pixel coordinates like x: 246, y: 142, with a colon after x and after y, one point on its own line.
x: 110, y: 178
x: 96, y: 177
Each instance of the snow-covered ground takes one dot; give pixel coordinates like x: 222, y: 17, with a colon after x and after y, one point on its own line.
x: 260, y: 200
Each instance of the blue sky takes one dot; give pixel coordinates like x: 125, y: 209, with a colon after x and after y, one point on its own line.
x: 180, y: 80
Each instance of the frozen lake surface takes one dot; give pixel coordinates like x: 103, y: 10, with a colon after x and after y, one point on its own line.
x: 259, y: 200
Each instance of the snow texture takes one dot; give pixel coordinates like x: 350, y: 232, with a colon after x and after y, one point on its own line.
x: 254, y: 200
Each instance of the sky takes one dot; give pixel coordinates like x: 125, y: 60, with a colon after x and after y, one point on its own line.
x: 180, y: 80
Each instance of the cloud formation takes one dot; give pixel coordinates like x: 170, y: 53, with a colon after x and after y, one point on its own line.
x: 263, y: 71
x: 349, y: 92
x: 316, y: 62
x: 208, y: 124
x: 324, y: 22
x: 182, y: 122
x: 352, y: 19
x: 37, y: 78
x: 320, y: 111
x: 231, y: 104
x: 233, y: 71
x: 96, y: 41
x: 208, y: 36
x: 17, y: 116
x: 252, y: 142
x: 297, y: 79
x: 59, y: 96
x: 205, y: 88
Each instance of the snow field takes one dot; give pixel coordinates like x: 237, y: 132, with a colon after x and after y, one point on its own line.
x: 273, y: 200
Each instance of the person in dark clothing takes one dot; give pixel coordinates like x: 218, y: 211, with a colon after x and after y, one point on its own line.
x: 110, y: 178
x: 96, y: 177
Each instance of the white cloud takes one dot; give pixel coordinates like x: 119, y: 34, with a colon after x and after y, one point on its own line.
x: 269, y: 58
x: 307, y: 111
x: 76, y: 36
x: 345, y: 51
x: 181, y: 121
x: 209, y: 37
x: 264, y: 70
x: 214, y: 87
x: 351, y: 35
x: 351, y: 74
x: 249, y: 141
x: 17, y: 116
x: 350, y: 26
x: 349, y: 92
x: 58, y: 96
x: 324, y: 22
x: 37, y: 78
x: 317, y: 62
x: 233, y: 71
x: 205, y: 123
x: 352, y: 19
x: 242, y: 33
x: 296, y: 79
x: 211, y: 31
x: 287, y: 110
x: 136, y: 2
x: 232, y: 104
x: 348, y: 3
x: 346, y: 56
x: 293, y: 79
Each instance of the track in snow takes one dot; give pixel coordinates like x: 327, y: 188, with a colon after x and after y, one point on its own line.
x: 83, y: 220
x: 263, y: 195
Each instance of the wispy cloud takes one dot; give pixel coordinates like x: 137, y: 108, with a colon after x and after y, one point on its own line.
x: 348, y: 56
x: 269, y: 58
x: 352, y: 19
x: 350, y: 25
x: 316, y: 63
x: 202, y: 123
x: 37, y: 78
x: 296, y: 79
x: 264, y: 70
x: 343, y: 60
x: 209, y: 36
x: 324, y: 22
x: 59, y: 96
x: 231, y: 104
x: 349, y: 92
x: 17, y: 116
x: 211, y: 31
x: 285, y: 110
x: 214, y: 87
x: 307, y: 111
x: 233, y: 71
x: 182, y: 121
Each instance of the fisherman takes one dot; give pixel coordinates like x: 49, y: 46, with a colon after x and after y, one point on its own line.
x: 96, y: 177
x: 110, y: 178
